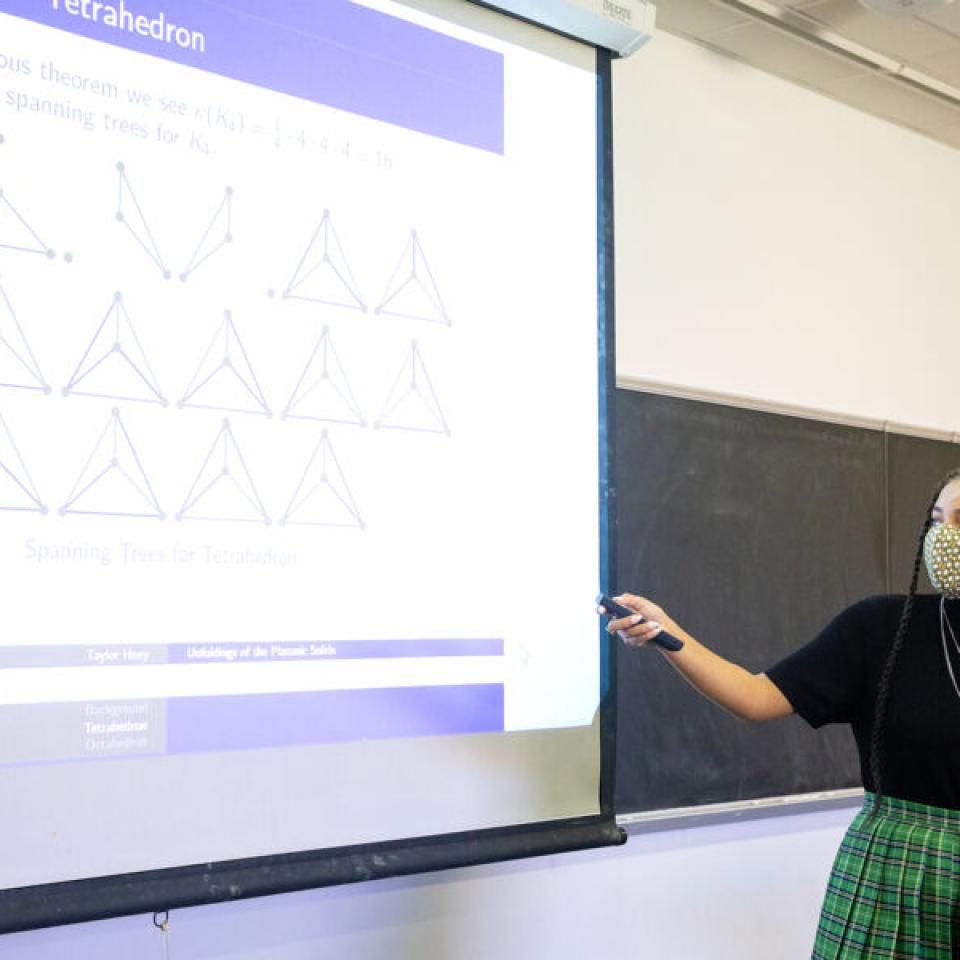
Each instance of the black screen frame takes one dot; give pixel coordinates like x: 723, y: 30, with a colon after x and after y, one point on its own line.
x: 159, y: 891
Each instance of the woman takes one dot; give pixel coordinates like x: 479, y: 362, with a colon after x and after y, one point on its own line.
x: 890, y: 667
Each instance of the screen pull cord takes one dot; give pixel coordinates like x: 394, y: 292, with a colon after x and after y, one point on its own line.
x: 161, y: 920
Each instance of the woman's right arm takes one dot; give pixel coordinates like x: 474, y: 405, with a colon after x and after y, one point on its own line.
x: 751, y: 696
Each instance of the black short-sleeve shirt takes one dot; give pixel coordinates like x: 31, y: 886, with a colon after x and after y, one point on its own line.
x: 834, y: 678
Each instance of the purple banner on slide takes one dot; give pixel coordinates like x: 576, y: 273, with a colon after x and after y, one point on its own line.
x: 334, y: 52
x: 250, y: 722
x: 150, y: 655
x: 332, y: 650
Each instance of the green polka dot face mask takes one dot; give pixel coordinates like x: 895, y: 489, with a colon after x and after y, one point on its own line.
x: 941, y: 552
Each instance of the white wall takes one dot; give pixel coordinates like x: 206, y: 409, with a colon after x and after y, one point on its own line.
x: 775, y: 244
x: 771, y: 243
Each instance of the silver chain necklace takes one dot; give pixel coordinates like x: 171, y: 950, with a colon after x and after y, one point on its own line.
x: 947, y: 627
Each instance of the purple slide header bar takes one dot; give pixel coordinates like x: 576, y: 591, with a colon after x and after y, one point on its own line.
x: 332, y: 52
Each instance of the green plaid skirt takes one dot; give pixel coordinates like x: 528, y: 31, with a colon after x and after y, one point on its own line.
x: 895, y: 887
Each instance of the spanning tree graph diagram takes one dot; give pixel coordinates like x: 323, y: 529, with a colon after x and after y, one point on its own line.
x: 16, y: 233
x: 17, y: 489
x: 115, y: 365
x: 323, y: 274
x: 113, y: 482
x: 323, y: 391
x: 224, y: 488
x: 412, y: 291
x: 18, y: 365
x: 322, y: 497
x: 225, y: 379
x: 412, y: 403
x: 131, y: 215
x: 218, y: 232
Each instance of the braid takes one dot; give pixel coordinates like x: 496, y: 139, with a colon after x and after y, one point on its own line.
x: 903, y: 628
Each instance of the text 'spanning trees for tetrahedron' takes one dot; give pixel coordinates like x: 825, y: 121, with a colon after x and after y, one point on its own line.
x: 115, y: 365
x: 18, y: 365
x: 412, y: 291
x: 323, y: 497
x: 224, y: 489
x: 323, y: 274
x: 16, y: 233
x: 113, y: 482
x: 412, y: 403
x: 225, y: 379
x: 17, y: 489
x: 323, y: 390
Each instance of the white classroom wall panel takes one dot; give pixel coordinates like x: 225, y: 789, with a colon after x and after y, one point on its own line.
x: 775, y: 245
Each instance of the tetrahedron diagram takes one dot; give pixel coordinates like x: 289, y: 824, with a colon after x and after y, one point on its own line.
x: 323, y: 274
x: 412, y: 292
x: 16, y: 233
x: 412, y: 403
x: 323, y: 391
x: 18, y: 365
x: 113, y: 482
x: 131, y: 215
x: 17, y: 489
x: 225, y: 379
x: 224, y: 489
x: 322, y: 497
x: 218, y: 234
x: 115, y: 365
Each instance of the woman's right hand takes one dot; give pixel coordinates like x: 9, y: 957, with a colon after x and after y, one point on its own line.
x: 752, y: 696
x: 636, y: 633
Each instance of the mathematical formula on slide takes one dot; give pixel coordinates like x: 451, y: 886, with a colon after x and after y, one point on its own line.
x: 51, y: 91
x: 236, y: 123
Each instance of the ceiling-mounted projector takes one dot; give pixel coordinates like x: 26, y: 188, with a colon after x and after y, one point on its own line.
x: 903, y: 8
x: 619, y: 25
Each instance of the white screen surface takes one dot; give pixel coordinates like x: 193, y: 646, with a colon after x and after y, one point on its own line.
x: 298, y: 431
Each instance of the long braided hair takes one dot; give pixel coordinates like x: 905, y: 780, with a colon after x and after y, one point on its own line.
x: 903, y: 628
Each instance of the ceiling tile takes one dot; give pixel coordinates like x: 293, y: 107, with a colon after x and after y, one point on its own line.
x: 887, y: 98
x: 695, y: 18
x: 782, y: 53
x: 945, y: 68
x: 905, y: 39
x: 945, y: 17
x: 927, y: 45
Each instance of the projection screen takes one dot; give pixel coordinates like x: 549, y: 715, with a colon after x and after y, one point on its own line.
x: 300, y: 402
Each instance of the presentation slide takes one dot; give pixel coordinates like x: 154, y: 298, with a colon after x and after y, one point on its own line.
x: 299, y: 407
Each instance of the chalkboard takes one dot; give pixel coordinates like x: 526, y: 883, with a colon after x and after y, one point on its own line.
x: 753, y: 530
